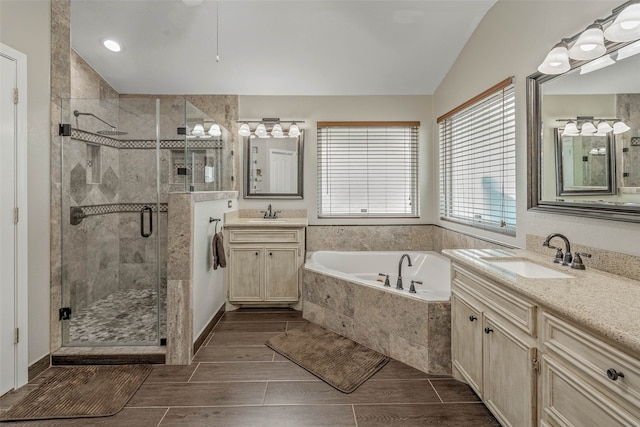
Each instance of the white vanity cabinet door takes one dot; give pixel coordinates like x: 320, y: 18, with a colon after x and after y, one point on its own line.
x: 509, y: 373
x: 245, y: 268
x: 466, y: 342
x: 281, y: 274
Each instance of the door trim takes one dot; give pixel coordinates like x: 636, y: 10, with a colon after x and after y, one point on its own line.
x: 22, y: 355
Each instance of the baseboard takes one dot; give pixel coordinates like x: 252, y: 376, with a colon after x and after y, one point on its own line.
x: 39, y: 366
x: 203, y: 336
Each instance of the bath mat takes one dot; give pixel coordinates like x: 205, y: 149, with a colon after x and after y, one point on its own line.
x: 338, y: 361
x: 80, y: 391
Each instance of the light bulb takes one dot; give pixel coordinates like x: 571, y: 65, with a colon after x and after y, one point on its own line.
x: 590, y: 44
x: 112, y: 45
x: 626, y: 26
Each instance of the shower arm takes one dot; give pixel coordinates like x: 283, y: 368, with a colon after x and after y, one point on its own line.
x: 78, y: 113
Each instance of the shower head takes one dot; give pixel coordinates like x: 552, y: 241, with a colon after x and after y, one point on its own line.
x: 112, y: 132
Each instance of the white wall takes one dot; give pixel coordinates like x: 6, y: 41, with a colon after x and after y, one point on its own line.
x: 26, y: 27
x: 512, y: 40
x: 312, y: 109
x: 208, y: 284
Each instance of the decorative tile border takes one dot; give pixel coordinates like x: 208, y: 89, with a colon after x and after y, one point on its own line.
x: 91, y: 210
x: 166, y: 144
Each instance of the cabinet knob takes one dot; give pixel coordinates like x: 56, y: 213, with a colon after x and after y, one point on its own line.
x: 270, y: 253
x: 256, y: 253
x: 488, y: 330
x: 613, y: 375
x: 472, y: 318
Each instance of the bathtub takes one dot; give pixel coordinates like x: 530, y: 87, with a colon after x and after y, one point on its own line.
x: 430, y: 268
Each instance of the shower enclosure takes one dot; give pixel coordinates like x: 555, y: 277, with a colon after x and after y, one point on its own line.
x: 120, y: 159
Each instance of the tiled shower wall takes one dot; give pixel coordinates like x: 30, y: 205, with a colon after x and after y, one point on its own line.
x: 628, y: 110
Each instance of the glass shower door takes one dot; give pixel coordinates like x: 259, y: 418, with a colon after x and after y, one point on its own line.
x: 113, y: 240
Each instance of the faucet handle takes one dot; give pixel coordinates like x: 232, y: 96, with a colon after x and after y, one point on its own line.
x: 386, y: 279
x: 577, y: 260
x: 275, y: 214
x: 559, y: 257
x: 412, y: 288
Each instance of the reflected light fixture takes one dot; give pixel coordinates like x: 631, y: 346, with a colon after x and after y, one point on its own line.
x: 294, y: 130
x: 198, y: 130
x: 557, y: 61
x: 597, y: 64
x: 603, y: 128
x: 588, y: 129
x: 590, y: 44
x: 244, y: 130
x: 620, y: 127
x: 571, y: 129
x: 626, y: 26
x: 215, y: 130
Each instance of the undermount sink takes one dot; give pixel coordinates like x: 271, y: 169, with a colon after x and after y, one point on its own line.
x: 528, y: 269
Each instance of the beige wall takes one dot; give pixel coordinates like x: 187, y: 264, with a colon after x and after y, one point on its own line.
x: 312, y: 109
x: 34, y: 41
x: 512, y: 39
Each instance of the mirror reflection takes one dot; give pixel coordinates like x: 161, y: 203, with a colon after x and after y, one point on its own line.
x: 594, y: 169
x: 585, y: 164
x: 273, y: 166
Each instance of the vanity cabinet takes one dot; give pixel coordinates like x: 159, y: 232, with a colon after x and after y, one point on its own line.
x: 265, y: 265
x: 494, y: 347
x: 585, y: 381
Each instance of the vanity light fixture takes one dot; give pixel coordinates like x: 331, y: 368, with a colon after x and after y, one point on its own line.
x: 588, y: 129
x: 294, y: 130
x: 597, y: 64
x: 261, y: 131
x: 590, y: 44
x: 626, y: 26
x: 557, y: 61
x: 628, y: 50
x: 276, y: 131
x: 620, y: 127
x: 603, y: 128
x: 244, y: 129
x: 270, y: 127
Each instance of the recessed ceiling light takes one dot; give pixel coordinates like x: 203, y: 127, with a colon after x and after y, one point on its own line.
x: 112, y: 45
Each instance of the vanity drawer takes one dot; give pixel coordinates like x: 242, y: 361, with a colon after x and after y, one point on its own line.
x: 518, y: 311
x: 260, y: 235
x: 595, y: 359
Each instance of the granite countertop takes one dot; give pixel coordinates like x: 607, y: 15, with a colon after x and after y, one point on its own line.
x: 270, y: 223
x: 604, y: 303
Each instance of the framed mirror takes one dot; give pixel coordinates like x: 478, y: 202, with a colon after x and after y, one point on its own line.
x: 577, y: 96
x: 273, y: 167
x: 584, y: 164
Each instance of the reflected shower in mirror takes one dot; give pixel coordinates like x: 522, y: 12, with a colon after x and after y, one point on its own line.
x: 584, y: 164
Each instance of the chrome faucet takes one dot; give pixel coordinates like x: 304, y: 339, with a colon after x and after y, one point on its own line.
x: 560, y: 258
x: 399, y: 283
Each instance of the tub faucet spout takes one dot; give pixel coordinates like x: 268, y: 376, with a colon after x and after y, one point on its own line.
x: 399, y: 283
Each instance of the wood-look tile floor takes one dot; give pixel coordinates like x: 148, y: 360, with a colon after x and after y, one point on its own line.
x: 235, y: 380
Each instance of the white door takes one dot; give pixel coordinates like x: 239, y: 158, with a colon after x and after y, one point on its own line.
x: 13, y: 357
x: 283, y: 171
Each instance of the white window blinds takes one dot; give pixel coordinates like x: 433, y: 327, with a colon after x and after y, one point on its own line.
x: 477, y: 161
x: 368, y: 169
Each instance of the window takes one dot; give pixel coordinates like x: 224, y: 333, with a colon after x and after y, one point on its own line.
x: 368, y: 169
x: 477, y: 161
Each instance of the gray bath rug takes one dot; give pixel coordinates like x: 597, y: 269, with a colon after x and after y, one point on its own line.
x: 338, y: 361
x: 80, y: 391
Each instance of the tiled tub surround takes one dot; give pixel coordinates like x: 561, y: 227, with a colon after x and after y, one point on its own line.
x: 411, y: 330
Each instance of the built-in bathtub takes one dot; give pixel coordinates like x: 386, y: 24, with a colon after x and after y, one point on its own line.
x: 341, y: 292
x: 371, y: 268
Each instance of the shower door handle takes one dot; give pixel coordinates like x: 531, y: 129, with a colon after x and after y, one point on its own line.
x: 142, y: 211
